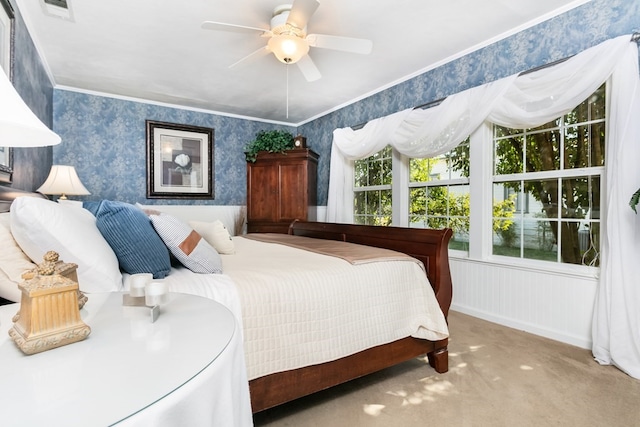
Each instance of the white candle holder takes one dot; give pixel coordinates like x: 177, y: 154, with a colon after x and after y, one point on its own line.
x: 143, y: 292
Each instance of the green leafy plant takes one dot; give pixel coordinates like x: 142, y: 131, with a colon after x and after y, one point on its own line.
x: 635, y: 199
x: 273, y: 141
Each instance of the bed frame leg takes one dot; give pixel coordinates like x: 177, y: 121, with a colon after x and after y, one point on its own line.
x: 439, y: 360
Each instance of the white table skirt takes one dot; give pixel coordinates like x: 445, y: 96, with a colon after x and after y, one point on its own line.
x: 187, y: 369
x: 218, y: 396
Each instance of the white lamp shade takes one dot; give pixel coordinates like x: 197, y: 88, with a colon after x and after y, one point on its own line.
x: 288, y: 48
x: 63, y: 180
x: 19, y: 127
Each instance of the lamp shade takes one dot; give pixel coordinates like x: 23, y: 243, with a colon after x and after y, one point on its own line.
x: 19, y: 127
x: 63, y: 181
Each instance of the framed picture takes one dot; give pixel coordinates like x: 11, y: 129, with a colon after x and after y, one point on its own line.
x: 179, y: 161
x: 6, y: 63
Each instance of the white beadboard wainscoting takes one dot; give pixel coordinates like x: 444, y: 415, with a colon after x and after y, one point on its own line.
x: 551, y: 304
x: 206, y: 213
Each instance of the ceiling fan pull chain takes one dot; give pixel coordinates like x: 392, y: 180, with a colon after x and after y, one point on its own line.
x: 287, y: 65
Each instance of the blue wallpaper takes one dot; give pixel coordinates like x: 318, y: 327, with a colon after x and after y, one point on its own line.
x: 104, y: 138
x: 31, y: 165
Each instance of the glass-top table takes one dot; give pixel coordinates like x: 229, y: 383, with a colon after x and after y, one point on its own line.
x: 126, y: 365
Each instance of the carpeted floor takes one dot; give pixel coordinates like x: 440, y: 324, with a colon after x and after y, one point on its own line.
x: 497, y: 377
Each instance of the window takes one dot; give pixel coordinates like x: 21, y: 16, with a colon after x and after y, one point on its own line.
x: 439, y: 194
x: 536, y: 192
x: 556, y: 170
x: 372, y: 189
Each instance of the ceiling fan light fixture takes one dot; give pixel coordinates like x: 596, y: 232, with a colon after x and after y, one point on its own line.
x: 288, y: 48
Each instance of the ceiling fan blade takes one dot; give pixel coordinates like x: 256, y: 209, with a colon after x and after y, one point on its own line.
x: 263, y: 51
x: 308, y: 68
x: 223, y: 26
x: 347, y: 44
x: 301, y: 12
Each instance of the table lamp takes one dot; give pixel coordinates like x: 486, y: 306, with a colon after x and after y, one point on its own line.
x: 63, y: 181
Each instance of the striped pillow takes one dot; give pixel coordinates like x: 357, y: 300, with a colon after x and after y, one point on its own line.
x: 186, y: 244
x: 130, y: 234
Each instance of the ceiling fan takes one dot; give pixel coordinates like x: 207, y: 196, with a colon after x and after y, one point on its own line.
x: 288, y: 38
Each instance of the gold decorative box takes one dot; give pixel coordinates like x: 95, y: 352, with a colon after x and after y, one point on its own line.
x: 49, y: 315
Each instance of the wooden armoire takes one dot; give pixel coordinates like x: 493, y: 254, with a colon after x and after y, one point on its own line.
x: 281, y: 187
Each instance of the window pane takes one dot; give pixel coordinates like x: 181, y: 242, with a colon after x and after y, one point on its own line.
x: 584, y: 146
x: 360, y: 203
x: 417, y: 202
x: 550, y: 125
x: 385, y: 204
x: 451, y: 165
x: 543, y: 151
x: 592, y: 108
x: 539, y: 240
x: 589, y: 243
x: 386, y: 172
x: 543, y: 196
x: 361, y: 173
x: 374, y: 173
x: 581, y: 197
x: 506, y: 237
x: 508, y: 156
x: 501, y: 132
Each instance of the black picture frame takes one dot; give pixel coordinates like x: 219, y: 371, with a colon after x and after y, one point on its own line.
x: 180, y: 161
x: 7, y: 39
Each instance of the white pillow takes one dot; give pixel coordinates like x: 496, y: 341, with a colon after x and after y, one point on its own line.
x: 186, y: 244
x: 9, y: 289
x: 13, y: 261
x: 216, y: 234
x: 40, y: 225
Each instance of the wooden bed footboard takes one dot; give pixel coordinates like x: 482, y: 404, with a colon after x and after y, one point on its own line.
x: 430, y: 247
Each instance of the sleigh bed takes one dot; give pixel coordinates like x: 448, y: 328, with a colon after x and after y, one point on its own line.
x: 430, y: 247
x: 274, y: 385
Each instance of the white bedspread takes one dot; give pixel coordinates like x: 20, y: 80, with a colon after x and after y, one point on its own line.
x: 301, y: 308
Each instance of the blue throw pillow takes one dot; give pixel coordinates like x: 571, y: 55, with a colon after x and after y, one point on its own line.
x: 130, y: 234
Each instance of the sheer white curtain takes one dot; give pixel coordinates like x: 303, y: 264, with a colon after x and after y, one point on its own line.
x: 528, y: 101
x: 413, y: 132
x: 616, y: 317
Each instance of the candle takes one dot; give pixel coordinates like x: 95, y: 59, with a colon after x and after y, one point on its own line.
x: 138, y: 283
x: 155, y: 293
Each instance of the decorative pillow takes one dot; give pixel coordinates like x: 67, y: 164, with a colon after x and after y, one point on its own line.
x: 216, y: 234
x: 187, y: 245
x: 130, y: 234
x: 40, y: 225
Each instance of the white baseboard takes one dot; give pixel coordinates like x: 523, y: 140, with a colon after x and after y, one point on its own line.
x: 523, y: 326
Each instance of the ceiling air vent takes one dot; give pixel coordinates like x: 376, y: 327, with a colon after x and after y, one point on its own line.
x: 57, y: 9
x: 59, y: 3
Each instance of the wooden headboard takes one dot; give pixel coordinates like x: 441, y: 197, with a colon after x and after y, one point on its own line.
x: 427, y: 245
x: 8, y: 195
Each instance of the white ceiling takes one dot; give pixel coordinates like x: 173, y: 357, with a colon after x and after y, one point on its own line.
x: 156, y: 50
